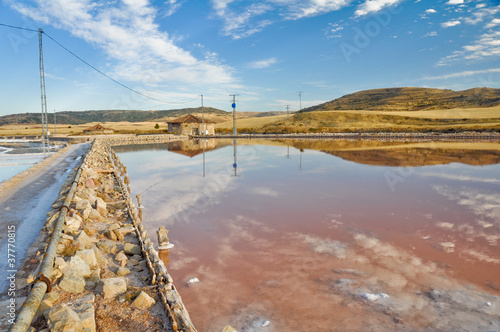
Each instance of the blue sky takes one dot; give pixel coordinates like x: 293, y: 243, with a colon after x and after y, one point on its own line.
x: 265, y: 51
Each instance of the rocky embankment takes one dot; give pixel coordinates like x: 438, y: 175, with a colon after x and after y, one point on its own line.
x: 106, y: 274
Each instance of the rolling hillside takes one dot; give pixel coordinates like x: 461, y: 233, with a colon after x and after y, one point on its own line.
x: 75, y: 118
x: 411, y: 99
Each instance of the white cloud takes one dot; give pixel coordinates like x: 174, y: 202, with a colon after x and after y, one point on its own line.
x: 462, y: 74
x: 450, y: 23
x: 482, y: 13
x: 486, y: 45
x: 126, y: 32
x: 455, y: 2
x: 171, y: 7
x: 430, y: 11
x: 373, y: 6
x: 464, y: 177
x: 493, y: 23
x: 431, y: 34
x: 239, y: 24
x: 485, y: 205
x: 262, y: 63
x: 301, y: 9
x: 333, y: 30
x: 327, y: 246
x: 243, y: 21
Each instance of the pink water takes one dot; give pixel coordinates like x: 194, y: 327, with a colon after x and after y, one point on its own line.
x: 296, y: 238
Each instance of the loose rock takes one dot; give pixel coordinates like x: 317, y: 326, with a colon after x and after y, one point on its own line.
x: 122, y: 271
x: 107, y: 246
x: 88, y: 255
x: 72, y: 284
x: 113, y: 287
x: 143, y: 301
x: 62, y: 318
x: 132, y: 249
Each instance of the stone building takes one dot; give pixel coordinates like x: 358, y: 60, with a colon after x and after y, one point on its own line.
x: 98, y: 129
x: 190, y: 125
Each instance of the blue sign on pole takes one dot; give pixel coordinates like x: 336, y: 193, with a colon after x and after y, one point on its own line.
x: 233, y: 105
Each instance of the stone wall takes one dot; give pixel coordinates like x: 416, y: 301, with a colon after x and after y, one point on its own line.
x: 106, y: 272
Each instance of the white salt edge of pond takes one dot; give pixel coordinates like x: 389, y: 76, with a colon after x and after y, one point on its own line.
x: 31, y: 223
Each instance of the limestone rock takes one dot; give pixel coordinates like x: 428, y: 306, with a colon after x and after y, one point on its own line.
x: 88, y: 255
x: 61, y: 318
x: 102, y: 260
x: 83, y: 205
x: 72, y: 224
x: 76, y: 216
x: 84, y: 307
x: 118, y: 234
x: 127, y: 230
x: 111, y: 235
x: 60, y: 263
x: 86, y: 212
x: 162, y: 234
x: 90, y: 183
x: 94, y: 215
x: 132, y: 262
x: 83, y: 240
x: 143, y: 301
x: 107, y: 246
x: 121, y: 257
x: 72, y: 284
x: 77, y: 267
x: 122, y: 271
x: 51, y: 297
x: 95, y: 276
x: 55, y: 274
x: 101, y: 206
x: 113, y: 287
x: 132, y: 249
x: 44, y: 305
x: 229, y: 328
x: 90, y: 195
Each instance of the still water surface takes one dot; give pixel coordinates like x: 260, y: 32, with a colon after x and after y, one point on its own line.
x: 19, y: 155
x: 326, y: 236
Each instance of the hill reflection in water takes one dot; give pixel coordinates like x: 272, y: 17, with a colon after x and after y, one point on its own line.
x: 304, y: 234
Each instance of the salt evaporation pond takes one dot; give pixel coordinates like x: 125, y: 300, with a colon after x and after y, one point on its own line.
x: 18, y: 155
x: 327, y: 235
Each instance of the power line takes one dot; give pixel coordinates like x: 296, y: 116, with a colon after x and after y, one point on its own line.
x: 112, y: 79
x: 100, y: 72
x: 20, y: 28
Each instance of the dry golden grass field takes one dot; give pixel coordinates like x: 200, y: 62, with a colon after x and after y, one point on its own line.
x: 372, y: 120
x: 251, y: 122
x: 64, y: 129
x: 456, y: 113
x: 459, y: 119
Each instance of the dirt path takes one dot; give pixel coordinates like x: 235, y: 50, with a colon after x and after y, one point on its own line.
x: 25, y: 202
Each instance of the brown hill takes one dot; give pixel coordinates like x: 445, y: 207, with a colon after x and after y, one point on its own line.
x: 411, y: 99
x: 402, y: 154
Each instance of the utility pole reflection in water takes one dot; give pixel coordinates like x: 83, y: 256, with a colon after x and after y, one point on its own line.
x: 203, y: 158
x: 300, y: 163
x: 235, y: 165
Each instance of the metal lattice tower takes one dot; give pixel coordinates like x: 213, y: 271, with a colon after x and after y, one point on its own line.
x: 45, y: 125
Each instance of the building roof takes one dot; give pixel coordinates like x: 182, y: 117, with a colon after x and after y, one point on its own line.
x: 189, y: 119
x: 97, y: 127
